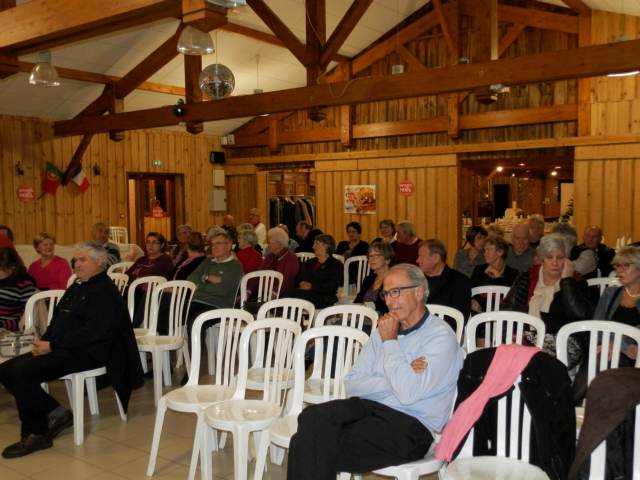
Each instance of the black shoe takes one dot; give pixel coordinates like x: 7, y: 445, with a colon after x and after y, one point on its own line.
x: 59, y: 419
x: 32, y: 443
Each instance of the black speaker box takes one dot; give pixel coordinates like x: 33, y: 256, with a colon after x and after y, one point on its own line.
x: 216, y: 157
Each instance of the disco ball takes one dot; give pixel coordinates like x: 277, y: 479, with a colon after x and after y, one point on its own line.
x: 217, y: 81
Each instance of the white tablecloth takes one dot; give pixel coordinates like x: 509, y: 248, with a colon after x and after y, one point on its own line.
x: 128, y: 252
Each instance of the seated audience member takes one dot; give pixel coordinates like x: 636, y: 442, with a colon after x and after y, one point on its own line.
x: 407, y: 243
x: 90, y: 329
x: 100, y: 234
x: 584, y: 262
x: 6, y: 236
x: 229, y: 226
x: 247, y: 253
x: 258, y: 227
x: 178, y: 252
x: 195, y: 256
x: 380, y: 258
x: 246, y: 227
x: 592, y: 240
x: 292, y: 243
x: 212, y: 232
x: 622, y: 303
x: 494, y: 272
x: 319, y: 277
x: 520, y: 256
x: 281, y: 259
x: 468, y: 258
x: 495, y: 231
x: 399, y: 391
x: 387, y: 231
x: 306, y: 236
x: 536, y: 230
x: 16, y: 286
x: 217, y: 279
x: 446, y: 285
x: 354, y: 246
x: 552, y: 292
x: 50, y: 272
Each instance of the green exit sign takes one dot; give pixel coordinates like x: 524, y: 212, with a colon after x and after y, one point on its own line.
x: 157, y: 162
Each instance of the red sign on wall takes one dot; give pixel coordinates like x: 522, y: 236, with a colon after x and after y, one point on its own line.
x: 157, y: 212
x: 26, y: 193
x: 406, y: 187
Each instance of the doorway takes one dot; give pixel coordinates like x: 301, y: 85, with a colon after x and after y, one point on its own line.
x: 156, y: 204
x: 500, y: 200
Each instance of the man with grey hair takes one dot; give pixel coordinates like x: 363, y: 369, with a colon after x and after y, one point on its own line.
x: 592, y: 240
x: 536, y: 229
x: 584, y: 261
x: 258, y: 226
x: 520, y: 256
x: 100, y: 234
x: 400, y: 391
x: 90, y: 329
x: 407, y: 242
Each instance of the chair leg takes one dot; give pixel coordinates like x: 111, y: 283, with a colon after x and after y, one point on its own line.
x: 276, y: 454
x: 197, y: 442
x: 157, y: 360
x: 143, y: 361
x: 184, y: 351
x: 123, y: 415
x: 240, y: 453
x: 261, y: 454
x: 92, y: 394
x: 67, y: 386
x: 223, y: 440
x: 157, y: 432
x: 77, y: 387
x: 211, y: 349
x: 206, y: 436
x: 166, y: 368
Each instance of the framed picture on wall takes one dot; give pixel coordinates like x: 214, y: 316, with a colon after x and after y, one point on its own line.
x: 360, y: 199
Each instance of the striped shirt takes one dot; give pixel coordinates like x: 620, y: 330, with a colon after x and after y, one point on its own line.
x: 15, y: 290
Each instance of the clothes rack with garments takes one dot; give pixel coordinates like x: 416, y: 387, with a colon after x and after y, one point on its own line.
x: 290, y: 209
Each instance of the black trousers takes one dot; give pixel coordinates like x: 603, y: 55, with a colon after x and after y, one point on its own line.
x: 353, y: 435
x: 23, y: 375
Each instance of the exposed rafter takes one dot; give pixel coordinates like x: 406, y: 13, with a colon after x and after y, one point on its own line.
x: 343, y: 29
x: 578, y: 5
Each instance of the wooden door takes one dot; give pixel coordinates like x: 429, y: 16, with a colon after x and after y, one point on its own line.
x: 152, y: 205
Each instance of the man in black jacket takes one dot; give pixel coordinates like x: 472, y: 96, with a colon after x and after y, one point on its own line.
x: 306, y: 235
x: 90, y: 329
x: 446, y: 286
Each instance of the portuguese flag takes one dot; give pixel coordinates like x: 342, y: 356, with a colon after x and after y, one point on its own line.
x: 52, y: 179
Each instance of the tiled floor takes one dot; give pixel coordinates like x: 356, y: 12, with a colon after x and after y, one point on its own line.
x: 114, y: 449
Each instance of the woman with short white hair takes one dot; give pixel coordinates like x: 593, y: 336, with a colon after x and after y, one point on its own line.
x: 280, y: 258
x: 247, y: 253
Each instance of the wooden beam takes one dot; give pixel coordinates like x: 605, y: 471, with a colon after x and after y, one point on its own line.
x: 273, y: 141
x: 8, y: 65
x: 484, y: 44
x: 116, y: 105
x: 41, y: 24
x: 203, y: 15
x: 453, y: 115
x: 192, y: 69
x: 452, y: 46
x: 281, y: 31
x: 530, y: 17
x: 77, y: 157
x: 558, y: 65
x: 578, y: 6
x: 346, y: 125
x: 316, y: 36
x: 509, y: 37
x: 584, y: 84
x: 348, y: 22
x: 414, y: 64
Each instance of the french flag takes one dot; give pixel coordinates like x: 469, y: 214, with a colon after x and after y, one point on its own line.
x: 80, y: 180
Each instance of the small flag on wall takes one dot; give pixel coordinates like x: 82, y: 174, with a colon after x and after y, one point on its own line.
x: 80, y: 179
x: 52, y: 178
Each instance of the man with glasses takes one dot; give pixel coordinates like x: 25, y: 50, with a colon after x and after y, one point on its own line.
x: 400, y: 391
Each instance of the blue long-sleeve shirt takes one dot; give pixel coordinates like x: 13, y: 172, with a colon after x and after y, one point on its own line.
x: 383, y: 372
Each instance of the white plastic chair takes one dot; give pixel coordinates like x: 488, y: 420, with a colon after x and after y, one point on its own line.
x: 294, y: 309
x: 269, y: 283
x: 121, y: 280
x: 195, y: 398
x: 149, y: 283
x: 71, y: 279
x: 349, y: 342
x: 120, y: 267
x: 443, y: 311
x: 304, y: 256
x: 118, y: 234
x: 603, y: 282
x: 160, y: 346
x: 240, y: 416
x: 362, y: 271
x: 503, y: 327
x: 337, y: 256
x: 52, y: 296
x: 495, y: 294
x: 605, y: 336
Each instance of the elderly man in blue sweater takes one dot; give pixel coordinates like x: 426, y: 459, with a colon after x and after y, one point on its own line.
x: 400, y: 391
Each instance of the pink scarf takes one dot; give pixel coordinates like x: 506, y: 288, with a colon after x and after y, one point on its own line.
x: 508, y: 363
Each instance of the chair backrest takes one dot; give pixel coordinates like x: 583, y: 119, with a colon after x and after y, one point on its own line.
x: 294, y: 309
x: 120, y: 267
x: 495, y: 294
x: 149, y: 284
x: 230, y: 322
x: 362, y: 271
x: 52, y: 296
x: 503, y: 327
x: 278, y: 356
x: 443, y: 311
x: 343, y: 347
x: 181, y: 292
x: 120, y: 279
x: 337, y: 256
x: 603, y: 282
x: 304, y: 256
x: 118, y: 234
x: 605, y: 346
x: 266, y: 282
x: 353, y: 316
x: 71, y: 279
x: 512, y: 435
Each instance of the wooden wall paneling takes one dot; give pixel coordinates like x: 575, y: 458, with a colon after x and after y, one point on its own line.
x: 624, y: 203
x: 635, y: 205
x: 596, y: 178
x: 609, y: 183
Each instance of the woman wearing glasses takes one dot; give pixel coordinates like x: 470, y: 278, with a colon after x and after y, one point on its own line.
x: 380, y: 258
x: 622, y: 304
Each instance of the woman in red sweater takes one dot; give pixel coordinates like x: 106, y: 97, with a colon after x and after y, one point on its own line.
x: 49, y: 271
x: 248, y: 255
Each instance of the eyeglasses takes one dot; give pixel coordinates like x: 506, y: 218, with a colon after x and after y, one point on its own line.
x: 623, y: 266
x: 395, y: 292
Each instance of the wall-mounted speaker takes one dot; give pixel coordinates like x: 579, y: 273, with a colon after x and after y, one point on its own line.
x: 216, y: 157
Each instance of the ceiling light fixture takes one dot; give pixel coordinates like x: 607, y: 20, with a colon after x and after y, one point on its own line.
x: 554, y: 173
x: 229, y: 3
x: 216, y: 80
x: 43, y: 74
x: 499, y: 169
x: 521, y: 164
x: 195, y: 42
